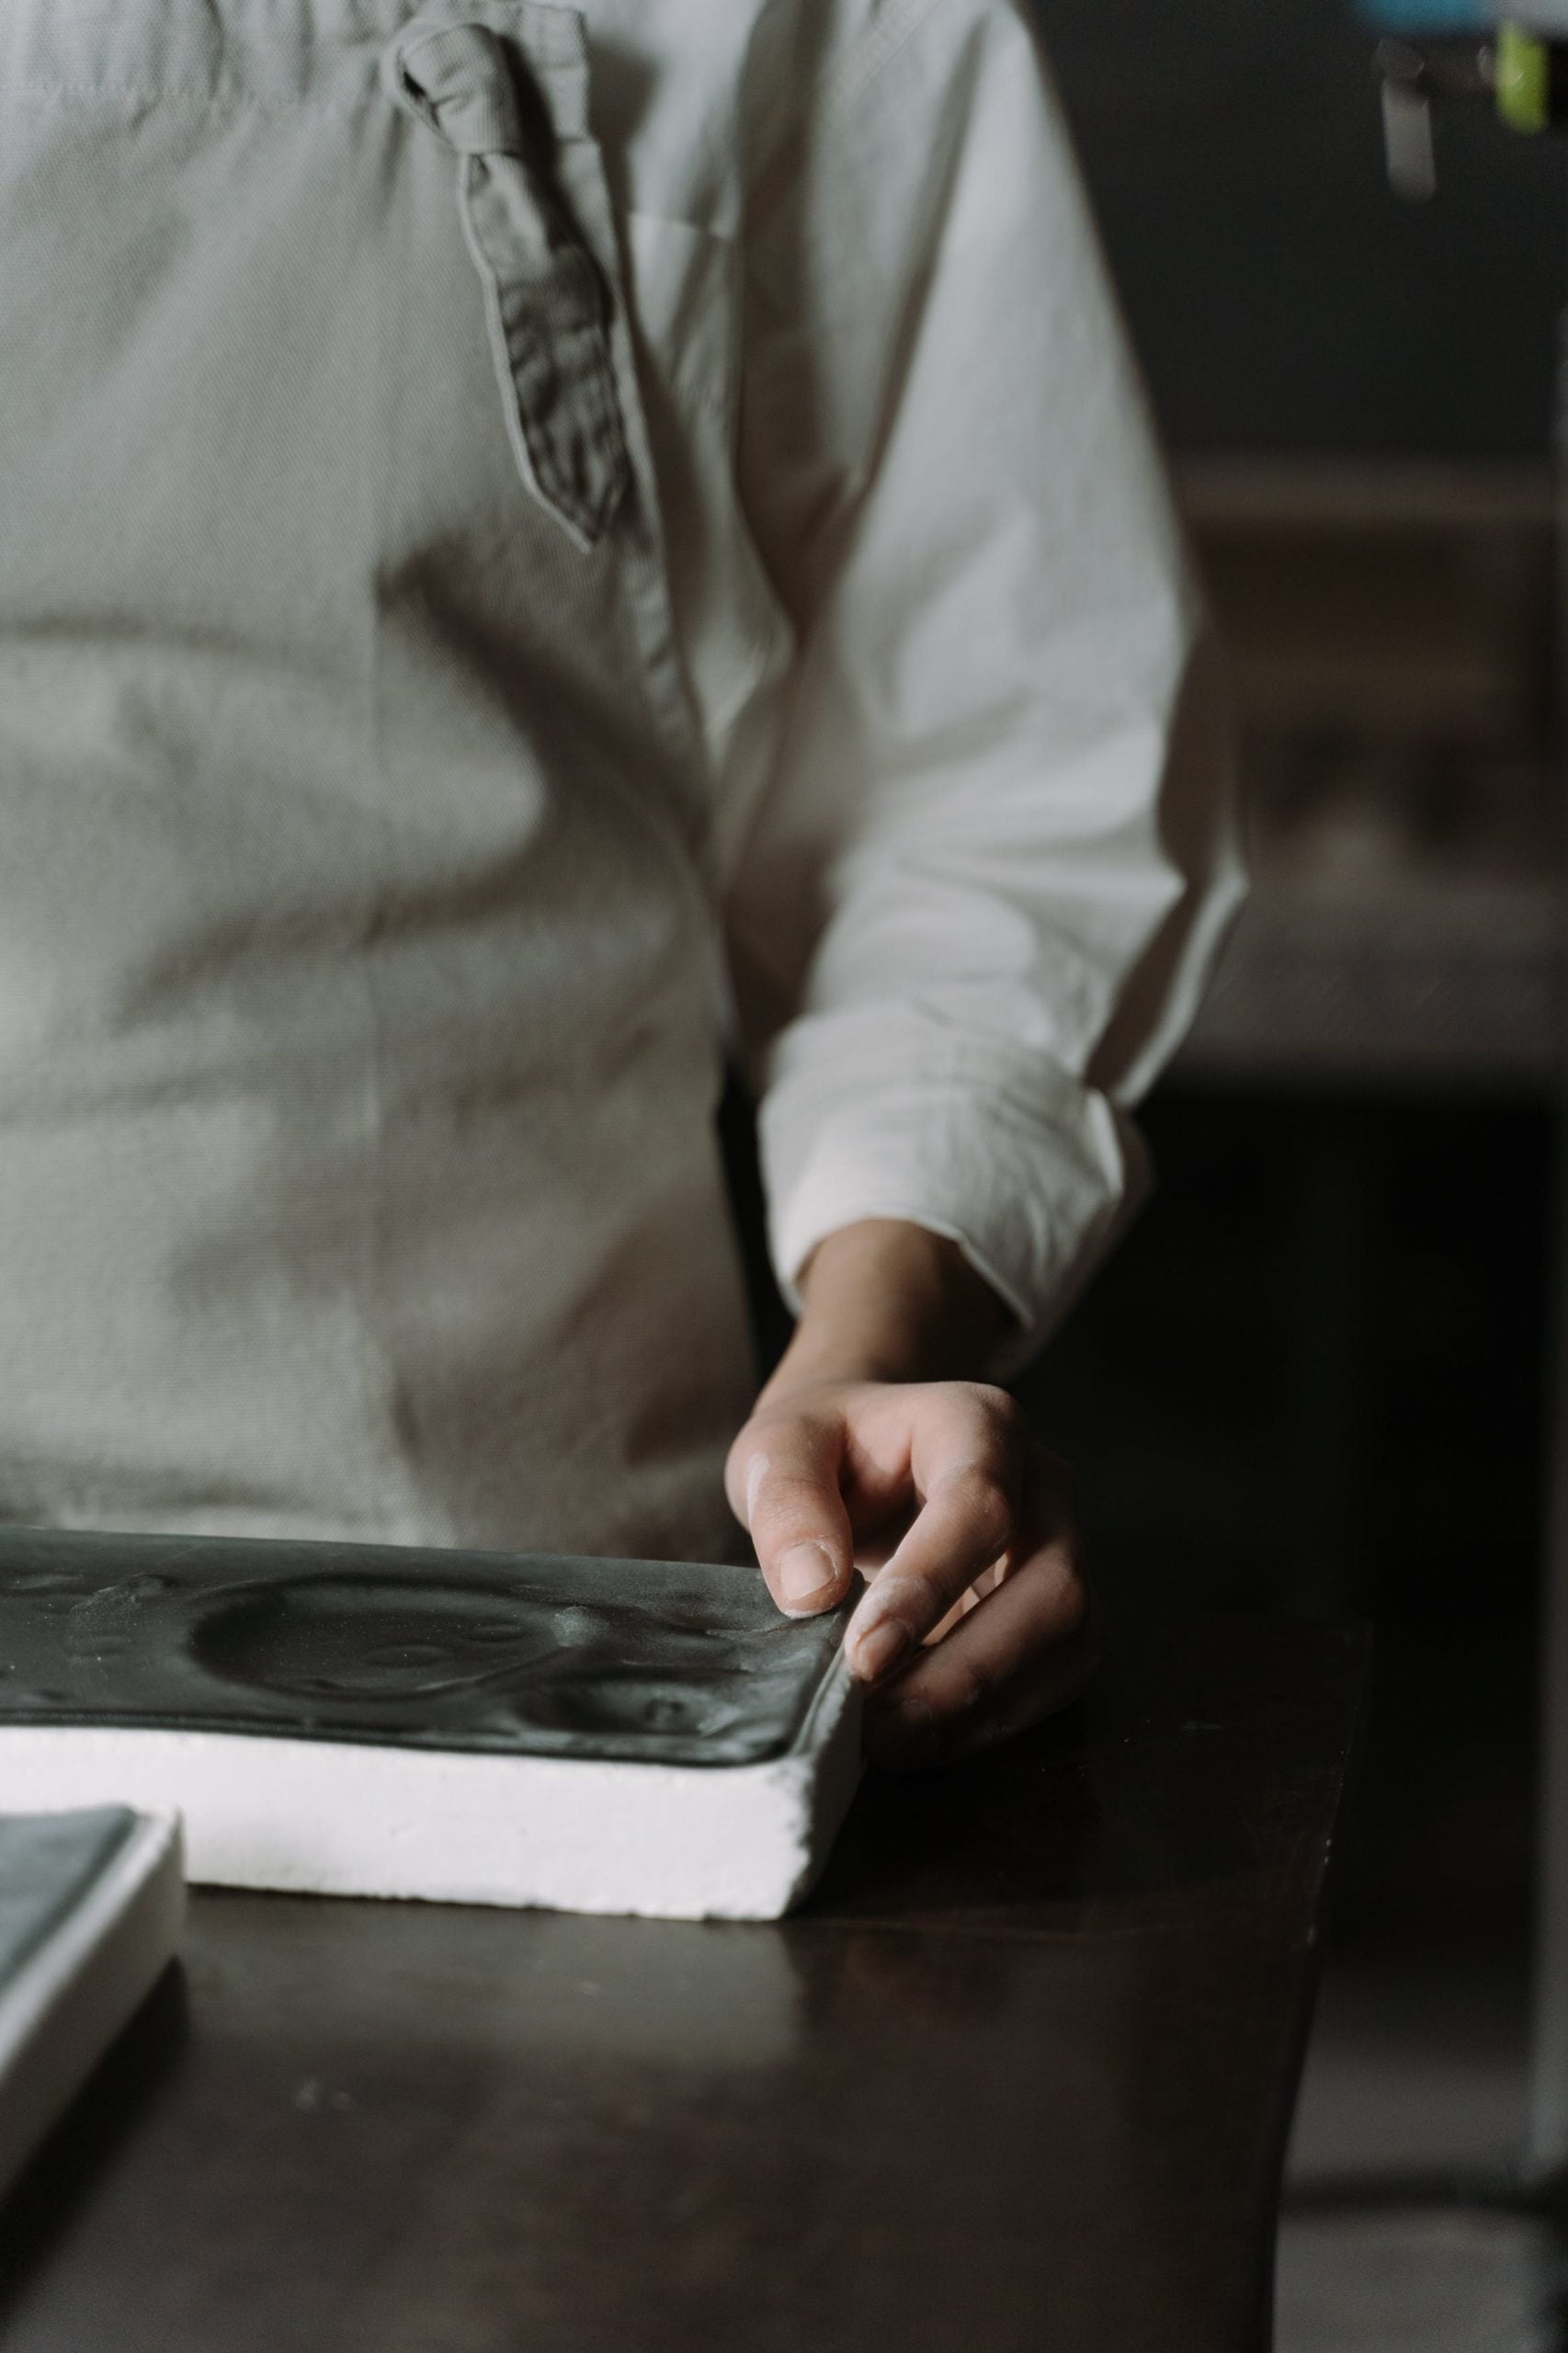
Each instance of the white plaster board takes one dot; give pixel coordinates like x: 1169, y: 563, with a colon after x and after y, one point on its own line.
x: 461, y: 1827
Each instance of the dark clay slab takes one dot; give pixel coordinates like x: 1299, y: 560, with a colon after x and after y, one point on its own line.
x: 640, y: 1661
x: 48, y: 1861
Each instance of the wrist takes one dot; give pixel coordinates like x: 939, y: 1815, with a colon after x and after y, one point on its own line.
x: 888, y: 1301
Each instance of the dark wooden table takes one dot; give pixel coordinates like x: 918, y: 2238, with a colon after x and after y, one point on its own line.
x: 1019, y: 2077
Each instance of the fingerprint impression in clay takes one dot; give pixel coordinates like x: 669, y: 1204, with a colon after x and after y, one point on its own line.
x: 346, y: 1637
x: 555, y: 1656
x: 562, y: 1668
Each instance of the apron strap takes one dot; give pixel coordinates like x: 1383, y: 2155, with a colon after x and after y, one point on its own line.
x: 546, y: 302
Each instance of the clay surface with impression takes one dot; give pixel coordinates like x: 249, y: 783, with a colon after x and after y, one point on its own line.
x: 210, y: 1674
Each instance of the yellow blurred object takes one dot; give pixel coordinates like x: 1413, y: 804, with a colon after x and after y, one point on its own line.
x: 1523, y: 80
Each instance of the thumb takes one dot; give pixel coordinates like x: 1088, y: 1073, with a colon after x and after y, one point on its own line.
x: 788, y: 1475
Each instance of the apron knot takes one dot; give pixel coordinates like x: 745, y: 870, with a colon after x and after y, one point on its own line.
x: 458, y: 81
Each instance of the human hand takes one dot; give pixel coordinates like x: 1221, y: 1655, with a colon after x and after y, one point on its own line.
x: 976, y: 1621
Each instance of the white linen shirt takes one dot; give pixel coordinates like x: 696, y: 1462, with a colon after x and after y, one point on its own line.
x: 971, y: 823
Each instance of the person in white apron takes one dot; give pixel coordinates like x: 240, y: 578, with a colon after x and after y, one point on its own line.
x: 542, y: 547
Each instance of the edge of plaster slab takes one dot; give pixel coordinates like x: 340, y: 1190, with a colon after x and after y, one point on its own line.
x: 466, y: 1826
x: 74, y: 1994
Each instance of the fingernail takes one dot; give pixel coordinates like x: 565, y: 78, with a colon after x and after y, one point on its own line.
x: 805, y: 1571
x: 881, y: 1650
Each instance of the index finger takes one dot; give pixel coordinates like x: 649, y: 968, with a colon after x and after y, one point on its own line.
x: 796, y: 1514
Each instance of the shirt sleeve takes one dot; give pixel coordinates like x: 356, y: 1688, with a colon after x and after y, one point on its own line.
x: 994, y: 857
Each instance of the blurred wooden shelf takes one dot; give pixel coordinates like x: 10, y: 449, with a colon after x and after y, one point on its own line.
x: 1391, y: 630
x: 1266, y: 493
x: 1401, y: 606
x: 1455, y: 983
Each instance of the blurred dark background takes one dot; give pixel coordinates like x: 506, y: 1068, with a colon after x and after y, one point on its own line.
x: 1281, y: 301
x: 1316, y: 1377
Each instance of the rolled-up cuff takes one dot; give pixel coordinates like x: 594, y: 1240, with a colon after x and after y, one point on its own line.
x: 890, y: 1114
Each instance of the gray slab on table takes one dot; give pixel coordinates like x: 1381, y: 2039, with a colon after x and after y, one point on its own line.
x: 598, y: 1735
x: 1019, y: 2076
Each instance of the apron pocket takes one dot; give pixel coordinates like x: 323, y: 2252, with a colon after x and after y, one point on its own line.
x: 546, y: 300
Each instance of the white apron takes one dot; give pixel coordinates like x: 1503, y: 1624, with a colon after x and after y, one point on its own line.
x: 357, y: 1056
